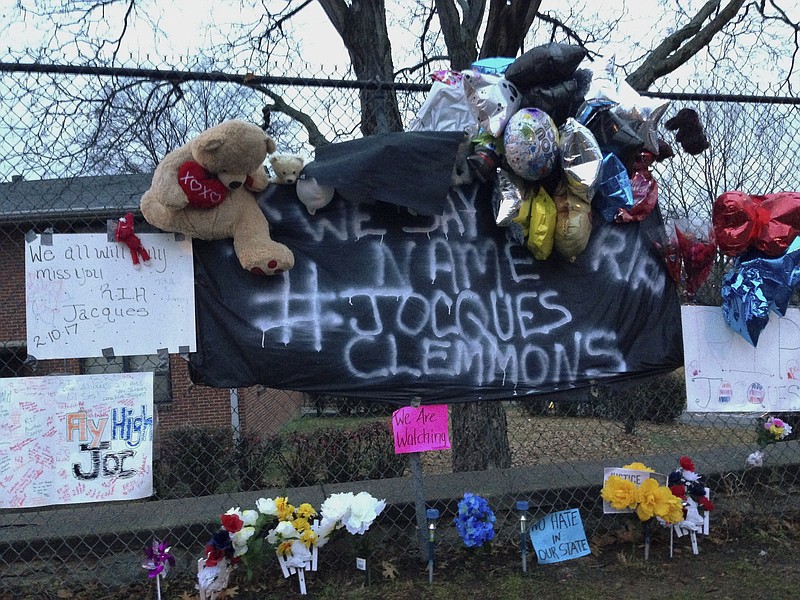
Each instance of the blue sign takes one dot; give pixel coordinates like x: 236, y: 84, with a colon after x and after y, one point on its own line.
x: 559, y: 536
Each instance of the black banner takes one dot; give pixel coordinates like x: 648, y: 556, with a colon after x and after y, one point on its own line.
x: 384, y: 304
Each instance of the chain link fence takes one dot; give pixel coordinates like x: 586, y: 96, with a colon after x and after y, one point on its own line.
x: 220, y: 448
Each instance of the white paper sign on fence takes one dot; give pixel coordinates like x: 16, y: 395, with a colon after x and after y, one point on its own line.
x: 75, y: 438
x: 84, y: 298
x: 725, y: 373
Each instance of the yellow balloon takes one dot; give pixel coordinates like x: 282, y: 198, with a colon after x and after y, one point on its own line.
x: 542, y: 225
x: 573, y: 223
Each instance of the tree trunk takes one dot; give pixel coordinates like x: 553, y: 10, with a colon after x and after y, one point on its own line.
x: 362, y: 27
x: 507, y: 26
x: 480, y: 436
x: 461, y: 32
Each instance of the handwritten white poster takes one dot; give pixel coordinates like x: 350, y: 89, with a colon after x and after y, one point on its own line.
x: 75, y: 438
x: 725, y: 373
x: 85, y: 298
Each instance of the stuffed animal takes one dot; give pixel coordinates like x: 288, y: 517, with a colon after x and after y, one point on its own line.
x: 689, y: 132
x: 204, y: 189
x: 287, y: 168
x: 124, y: 233
x: 313, y: 195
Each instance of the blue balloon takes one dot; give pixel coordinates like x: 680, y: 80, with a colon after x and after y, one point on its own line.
x: 757, y: 285
x: 744, y: 307
x: 614, y: 190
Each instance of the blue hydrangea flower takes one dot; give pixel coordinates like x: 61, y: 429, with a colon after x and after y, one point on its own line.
x: 475, y: 520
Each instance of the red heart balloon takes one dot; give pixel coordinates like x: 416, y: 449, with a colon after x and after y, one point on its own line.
x: 769, y: 223
x: 201, y: 187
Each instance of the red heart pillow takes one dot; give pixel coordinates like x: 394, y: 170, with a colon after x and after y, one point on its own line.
x: 202, y: 188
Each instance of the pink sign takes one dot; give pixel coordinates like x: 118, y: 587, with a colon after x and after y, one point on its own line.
x: 420, y: 429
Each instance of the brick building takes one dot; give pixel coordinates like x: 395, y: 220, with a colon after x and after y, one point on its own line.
x: 85, y: 205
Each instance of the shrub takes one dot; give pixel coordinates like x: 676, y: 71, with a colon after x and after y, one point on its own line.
x: 194, y: 461
x: 668, y: 398
x: 253, y: 457
x: 625, y: 405
x: 344, y: 406
x: 660, y: 399
x: 378, y: 460
x: 571, y: 403
x: 336, y: 455
x: 301, y: 457
x: 538, y: 406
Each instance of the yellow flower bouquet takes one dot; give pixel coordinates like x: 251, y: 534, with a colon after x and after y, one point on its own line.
x: 635, y: 488
x: 643, y: 495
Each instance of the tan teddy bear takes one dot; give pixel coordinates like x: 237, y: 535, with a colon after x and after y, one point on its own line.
x: 287, y: 168
x: 204, y: 189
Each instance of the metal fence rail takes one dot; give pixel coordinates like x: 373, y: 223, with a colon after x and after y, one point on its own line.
x: 58, y: 123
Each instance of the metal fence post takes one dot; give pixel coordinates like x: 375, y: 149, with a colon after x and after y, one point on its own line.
x: 235, y: 422
x: 415, y: 464
x: 419, y: 503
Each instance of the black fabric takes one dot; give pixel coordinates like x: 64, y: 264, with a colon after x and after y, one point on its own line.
x: 382, y: 304
x: 614, y: 134
x: 548, y: 63
x: 379, y: 167
x: 560, y: 100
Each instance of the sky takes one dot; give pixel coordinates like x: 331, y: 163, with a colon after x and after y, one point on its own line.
x: 186, y: 30
x: 185, y: 25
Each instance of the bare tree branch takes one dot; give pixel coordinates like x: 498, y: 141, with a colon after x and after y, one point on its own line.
x: 683, y: 44
x: 559, y: 25
x: 422, y: 64
x: 315, y: 136
x: 783, y: 18
x: 427, y: 21
x: 279, y: 22
x: 125, y: 23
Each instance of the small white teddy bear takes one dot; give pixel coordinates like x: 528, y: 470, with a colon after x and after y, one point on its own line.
x: 286, y: 167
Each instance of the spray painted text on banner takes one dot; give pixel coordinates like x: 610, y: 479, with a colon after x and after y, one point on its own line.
x: 389, y: 305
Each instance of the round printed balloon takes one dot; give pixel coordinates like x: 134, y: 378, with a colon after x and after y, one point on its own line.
x: 531, y: 143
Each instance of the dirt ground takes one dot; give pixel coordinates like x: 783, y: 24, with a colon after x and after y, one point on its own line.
x: 748, y: 555
x: 742, y: 559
